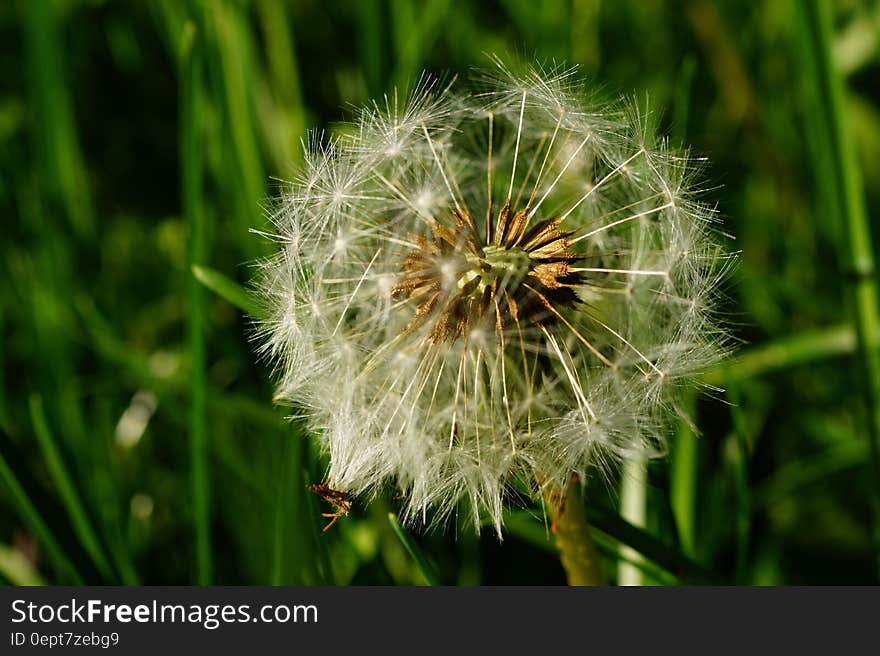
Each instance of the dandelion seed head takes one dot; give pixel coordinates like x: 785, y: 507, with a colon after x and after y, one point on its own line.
x: 476, y: 288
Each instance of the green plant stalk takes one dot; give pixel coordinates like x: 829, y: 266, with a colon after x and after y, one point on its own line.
x: 191, y: 174
x: 859, y: 249
x: 577, y: 551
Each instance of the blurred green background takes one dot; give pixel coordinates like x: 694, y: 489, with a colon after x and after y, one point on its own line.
x: 138, y: 441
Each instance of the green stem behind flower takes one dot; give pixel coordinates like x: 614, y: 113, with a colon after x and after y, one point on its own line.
x: 577, y: 551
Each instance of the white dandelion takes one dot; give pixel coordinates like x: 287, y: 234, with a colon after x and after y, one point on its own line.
x: 475, y: 289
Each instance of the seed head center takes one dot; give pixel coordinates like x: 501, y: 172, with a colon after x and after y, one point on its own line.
x: 507, y: 266
x: 461, y: 282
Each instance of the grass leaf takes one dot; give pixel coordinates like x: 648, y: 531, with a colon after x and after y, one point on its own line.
x: 228, y: 290
x: 63, y: 481
x: 421, y: 562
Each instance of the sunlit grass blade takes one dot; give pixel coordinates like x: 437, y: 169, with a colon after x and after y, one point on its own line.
x: 633, y: 501
x: 421, y: 562
x: 63, y: 566
x: 193, y: 206
x: 229, y: 290
x: 79, y: 519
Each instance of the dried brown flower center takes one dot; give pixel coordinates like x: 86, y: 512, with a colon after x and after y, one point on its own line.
x: 460, y: 279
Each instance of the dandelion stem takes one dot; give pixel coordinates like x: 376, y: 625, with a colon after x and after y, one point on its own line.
x: 577, y: 551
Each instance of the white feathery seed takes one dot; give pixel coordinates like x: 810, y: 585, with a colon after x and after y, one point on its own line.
x: 477, y: 288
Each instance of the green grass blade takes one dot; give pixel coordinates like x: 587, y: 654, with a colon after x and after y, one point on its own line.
x: 293, y: 561
x: 584, y: 34
x: 371, y: 40
x: 649, y: 546
x: 59, y: 152
x: 228, y: 290
x: 682, y: 97
x: 526, y: 527
x: 739, y: 453
x: 683, y: 474
x: 4, y: 405
x: 233, y: 55
x: 32, y: 518
x: 786, y: 352
x: 406, y: 32
x: 421, y: 562
x: 107, y: 495
x: 193, y: 205
x: 791, y: 478
x: 285, y: 83
x: 815, y: 25
x: 82, y: 525
x: 279, y: 531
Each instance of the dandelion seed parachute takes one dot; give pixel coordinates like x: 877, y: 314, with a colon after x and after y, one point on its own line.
x: 476, y: 289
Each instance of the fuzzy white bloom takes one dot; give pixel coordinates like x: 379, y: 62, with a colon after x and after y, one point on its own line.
x: 476, y: 290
